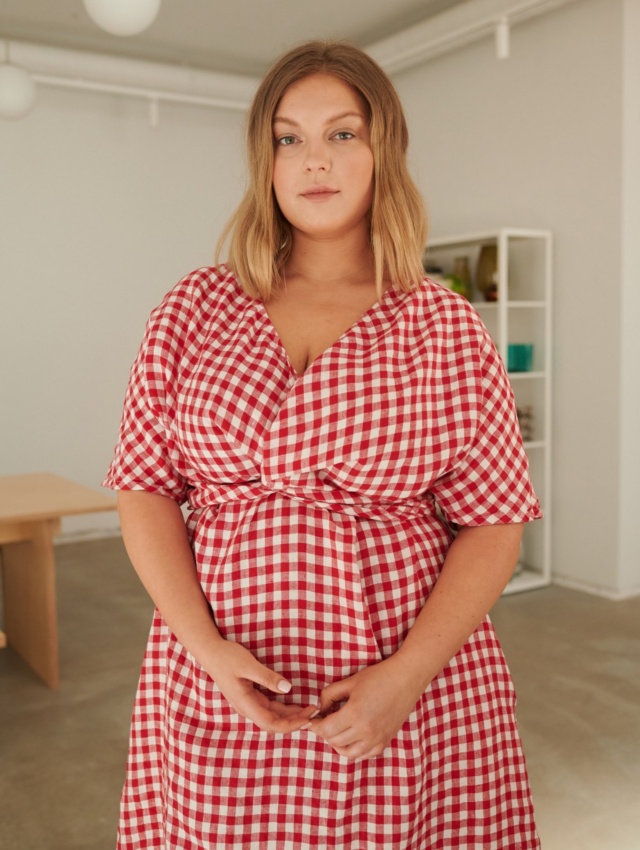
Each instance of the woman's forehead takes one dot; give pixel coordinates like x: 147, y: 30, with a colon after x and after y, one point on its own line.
x: 320, y: 91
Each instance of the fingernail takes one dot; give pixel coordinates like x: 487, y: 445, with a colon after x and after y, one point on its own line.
x: 315, y: 714
x: 306, y: 726
x: 284, y: 687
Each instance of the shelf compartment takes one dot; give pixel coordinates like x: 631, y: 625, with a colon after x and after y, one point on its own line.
x: 532, y: 394
x: 525, y: 269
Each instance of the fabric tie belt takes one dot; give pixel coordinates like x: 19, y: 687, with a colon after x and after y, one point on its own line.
x: 323, y: 496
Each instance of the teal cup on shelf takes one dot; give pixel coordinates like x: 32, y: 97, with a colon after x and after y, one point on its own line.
x: 520, y: 357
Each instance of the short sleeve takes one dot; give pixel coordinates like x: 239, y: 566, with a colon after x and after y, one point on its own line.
x: 146, y: 456
x: 489, y: 483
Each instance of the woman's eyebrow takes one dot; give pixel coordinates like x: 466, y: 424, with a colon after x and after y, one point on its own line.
x: 282, y: 119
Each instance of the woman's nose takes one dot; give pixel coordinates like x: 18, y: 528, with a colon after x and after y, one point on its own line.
x: 317, y: 158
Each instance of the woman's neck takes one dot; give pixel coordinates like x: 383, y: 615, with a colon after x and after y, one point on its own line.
x: 327, y: 262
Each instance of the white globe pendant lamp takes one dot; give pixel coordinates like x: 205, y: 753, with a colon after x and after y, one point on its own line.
x: 17, y: 89
x: 123, y: 17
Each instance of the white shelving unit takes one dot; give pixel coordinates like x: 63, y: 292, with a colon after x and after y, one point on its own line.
x: 521, y: 314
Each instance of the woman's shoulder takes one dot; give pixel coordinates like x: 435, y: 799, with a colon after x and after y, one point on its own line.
x: 204, y: 285
x: 204, y: 295
x: 437, y: 306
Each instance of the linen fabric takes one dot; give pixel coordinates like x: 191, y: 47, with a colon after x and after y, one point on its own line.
x: 321, y: 508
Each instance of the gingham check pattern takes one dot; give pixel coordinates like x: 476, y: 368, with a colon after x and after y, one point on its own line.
x: 314, y: 526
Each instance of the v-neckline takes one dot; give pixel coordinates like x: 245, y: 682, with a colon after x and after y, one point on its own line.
x: 298, y: 376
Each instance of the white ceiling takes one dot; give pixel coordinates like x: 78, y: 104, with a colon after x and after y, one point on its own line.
x: 238, y: 36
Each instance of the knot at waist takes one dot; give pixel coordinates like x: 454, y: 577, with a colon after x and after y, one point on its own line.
x: 321, y: 496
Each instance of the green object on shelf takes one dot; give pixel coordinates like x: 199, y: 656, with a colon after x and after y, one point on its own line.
x: 520, y: 357
x: 455, y: 284
x: 460, y: 279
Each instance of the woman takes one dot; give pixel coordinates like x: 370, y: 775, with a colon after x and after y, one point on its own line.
x: 321, y: 672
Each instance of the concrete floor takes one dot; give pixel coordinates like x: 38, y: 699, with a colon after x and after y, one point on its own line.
x: 575, y: 660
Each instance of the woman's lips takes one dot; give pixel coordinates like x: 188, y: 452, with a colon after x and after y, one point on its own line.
x: 321, y: 193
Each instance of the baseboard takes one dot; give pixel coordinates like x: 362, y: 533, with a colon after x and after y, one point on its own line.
x: 596, y: 590
x: 87, y: 535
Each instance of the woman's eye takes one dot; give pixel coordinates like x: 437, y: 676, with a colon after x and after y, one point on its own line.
x: 343, y: 135
x: 286, y: 140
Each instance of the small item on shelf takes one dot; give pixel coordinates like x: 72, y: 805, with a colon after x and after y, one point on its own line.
x: 525, y: 421
x: 487, y: 272
x: 460, y: 279
x: 436, y: 274
x: 519, y: 357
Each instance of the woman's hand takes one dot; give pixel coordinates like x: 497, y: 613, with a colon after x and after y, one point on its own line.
x: 378, y: 701
x: 235, y: 671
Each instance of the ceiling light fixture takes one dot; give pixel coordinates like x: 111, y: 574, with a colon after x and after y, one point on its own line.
x: 123, y: 17
x: 17, y: 89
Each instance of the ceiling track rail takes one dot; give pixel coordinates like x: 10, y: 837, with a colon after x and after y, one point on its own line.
x: 154, y: 82
x: 154, y: 97
x: 455, y: 28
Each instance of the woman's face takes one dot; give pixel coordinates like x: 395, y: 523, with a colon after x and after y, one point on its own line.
x: 323, y: 163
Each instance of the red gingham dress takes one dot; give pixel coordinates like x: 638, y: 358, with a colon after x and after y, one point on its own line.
x: 314, y: 527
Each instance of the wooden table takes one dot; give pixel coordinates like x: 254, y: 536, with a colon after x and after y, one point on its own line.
x: 31, y: 510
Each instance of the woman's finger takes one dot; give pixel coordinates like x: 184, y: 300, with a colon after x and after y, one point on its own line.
x: 242, y: 664
x: 285, y: 710
x: 345, y: 738
x: 269, y: 679
x: 333, y: 694
x: 335, y: 726
x: 360, y: 750
x: 268, y: 721
x: 268, y: 715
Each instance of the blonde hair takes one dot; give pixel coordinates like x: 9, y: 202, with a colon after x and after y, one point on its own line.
x: 259, y: 235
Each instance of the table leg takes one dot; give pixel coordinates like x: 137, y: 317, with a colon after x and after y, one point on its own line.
x: 30, y: 614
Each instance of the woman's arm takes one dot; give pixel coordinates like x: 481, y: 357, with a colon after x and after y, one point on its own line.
x: 156, y: 540
x: 476, y: 570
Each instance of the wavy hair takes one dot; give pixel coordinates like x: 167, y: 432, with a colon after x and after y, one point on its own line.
x: 258, y: 234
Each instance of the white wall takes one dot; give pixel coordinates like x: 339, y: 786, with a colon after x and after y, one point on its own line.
x: 630, y: 312
x: 99, y: 216
x: 535, y: 141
